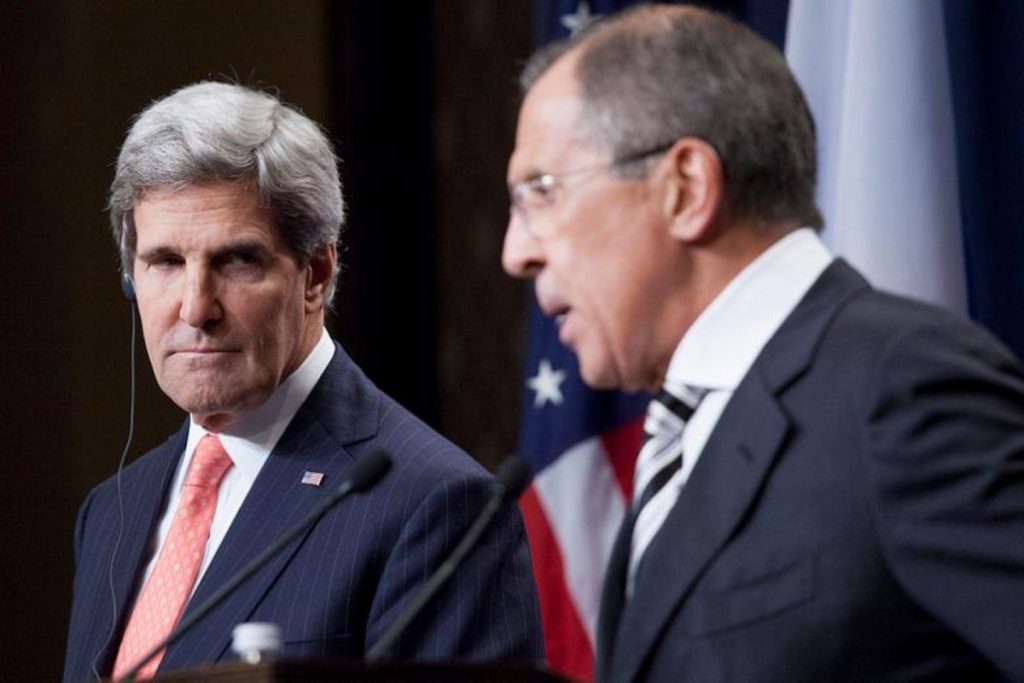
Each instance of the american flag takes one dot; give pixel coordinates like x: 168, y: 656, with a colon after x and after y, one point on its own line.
x: 312, y: 478
x: 582, y: 445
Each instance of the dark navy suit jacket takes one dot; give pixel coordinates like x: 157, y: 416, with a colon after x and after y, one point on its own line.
x: 335, y: 589
x: 857, y: 513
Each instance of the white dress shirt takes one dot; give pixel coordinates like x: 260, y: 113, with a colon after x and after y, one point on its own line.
x: 719, y: 348
x: 249, y: 442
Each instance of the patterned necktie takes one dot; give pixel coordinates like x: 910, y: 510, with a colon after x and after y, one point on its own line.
x: 660, y: 458
x: 163, y: 598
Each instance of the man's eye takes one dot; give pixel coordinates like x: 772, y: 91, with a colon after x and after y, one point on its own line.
x: 242, y: 257
x: 540, y: 190
x: 165, y: 262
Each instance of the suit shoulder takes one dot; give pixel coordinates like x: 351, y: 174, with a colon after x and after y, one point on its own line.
x: 886, y: 350
x: 414, y: 444
x: 880, y: 323
x: 896, y: 355
x: 363, y: 417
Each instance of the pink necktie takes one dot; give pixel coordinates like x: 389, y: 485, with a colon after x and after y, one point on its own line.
x: 163, y: 597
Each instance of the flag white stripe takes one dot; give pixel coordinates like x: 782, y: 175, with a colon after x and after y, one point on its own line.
x: 875, y: 73
x: 584, y: 506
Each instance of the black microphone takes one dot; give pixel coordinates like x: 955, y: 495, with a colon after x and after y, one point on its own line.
x: 511, y: 479
x: 365, y: 473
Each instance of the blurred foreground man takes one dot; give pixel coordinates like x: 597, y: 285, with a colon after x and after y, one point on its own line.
x: 227, y: 209
x: 832, y: 487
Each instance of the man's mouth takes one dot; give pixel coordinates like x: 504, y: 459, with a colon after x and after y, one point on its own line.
x: 562, y: 320
x: 202, y: 353
x: 203, y: 349
x: 556, y: 309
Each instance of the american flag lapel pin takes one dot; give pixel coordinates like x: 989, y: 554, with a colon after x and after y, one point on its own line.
x: 312, y: 478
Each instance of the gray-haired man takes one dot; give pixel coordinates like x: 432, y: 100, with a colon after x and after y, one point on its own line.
x: 227, y: 208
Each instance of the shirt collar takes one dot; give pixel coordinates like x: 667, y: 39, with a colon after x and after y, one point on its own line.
x: 725, y: 340
x: 250, y: 440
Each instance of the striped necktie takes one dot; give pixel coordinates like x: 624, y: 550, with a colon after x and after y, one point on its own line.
x: 660, y: 458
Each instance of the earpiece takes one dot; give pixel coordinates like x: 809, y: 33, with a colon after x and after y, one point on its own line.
x: 127, y: 287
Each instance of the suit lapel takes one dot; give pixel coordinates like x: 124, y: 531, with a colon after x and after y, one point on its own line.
x: 721, y: 488
x: 144, y: 493
x: 728, y: 477
x: 314, y: 441
x: 613, y: 595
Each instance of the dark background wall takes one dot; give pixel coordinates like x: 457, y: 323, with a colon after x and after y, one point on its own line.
x: 419, y: 99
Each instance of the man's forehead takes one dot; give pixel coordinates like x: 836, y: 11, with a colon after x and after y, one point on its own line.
x: 560, y: 77
x: 241, y: 192
x: 549, y: 126
x: 222, y: 211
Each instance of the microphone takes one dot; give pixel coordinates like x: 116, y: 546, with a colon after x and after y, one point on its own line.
x: 511, y: 479
x: 366, y: 472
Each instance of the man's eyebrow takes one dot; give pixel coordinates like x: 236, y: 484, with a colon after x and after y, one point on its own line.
x: 530, y: 174
x: 250, y: 246
x: 242, y: 246
x: 521, y: 168
x: 155, y: 253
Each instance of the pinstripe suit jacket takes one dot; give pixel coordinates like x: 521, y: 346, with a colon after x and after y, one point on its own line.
x: 335, y: 589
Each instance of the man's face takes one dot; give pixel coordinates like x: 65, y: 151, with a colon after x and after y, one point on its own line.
x: 225, y: 308
x: 601, y: 254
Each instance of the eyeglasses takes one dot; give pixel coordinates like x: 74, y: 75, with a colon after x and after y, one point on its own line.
x: 540, y: 192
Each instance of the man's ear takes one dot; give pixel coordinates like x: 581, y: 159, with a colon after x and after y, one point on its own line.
x: 319, y: 275
x: 694, y: 190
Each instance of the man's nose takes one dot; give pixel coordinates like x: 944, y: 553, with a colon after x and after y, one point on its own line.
x: 200, y: 305
x: 522, y: 255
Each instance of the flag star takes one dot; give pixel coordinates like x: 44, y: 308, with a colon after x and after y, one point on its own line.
x: 580, y: 19
x: 547, y: 384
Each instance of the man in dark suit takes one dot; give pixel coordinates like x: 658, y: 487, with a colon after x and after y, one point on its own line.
x: 832, y: 487
x: 227, y: 208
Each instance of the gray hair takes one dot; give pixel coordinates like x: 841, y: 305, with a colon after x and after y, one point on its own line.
x: 653, y: 75
x: 221, y: 131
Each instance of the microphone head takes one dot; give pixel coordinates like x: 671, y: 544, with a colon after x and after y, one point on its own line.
x: 369, y: 469
x: 512, y: 478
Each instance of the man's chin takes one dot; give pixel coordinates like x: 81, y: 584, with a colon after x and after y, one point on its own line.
x: 217, y: 408
x: 596, y: 376
x: 603, y: 376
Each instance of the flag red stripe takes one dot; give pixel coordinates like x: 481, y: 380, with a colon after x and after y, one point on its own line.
x: 622, y: 445
x: 569, y: 651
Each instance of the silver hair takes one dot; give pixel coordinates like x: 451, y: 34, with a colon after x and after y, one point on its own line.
x: 221, y: 131
x: 655, y: 74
